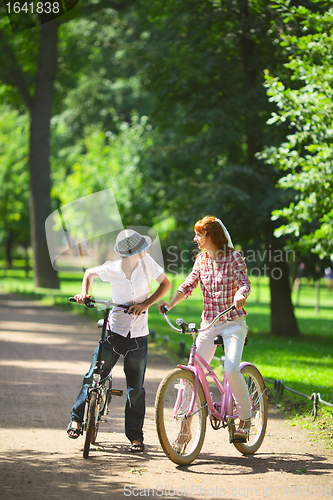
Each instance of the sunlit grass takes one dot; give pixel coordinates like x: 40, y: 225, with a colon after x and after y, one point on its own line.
x: 303, y: 363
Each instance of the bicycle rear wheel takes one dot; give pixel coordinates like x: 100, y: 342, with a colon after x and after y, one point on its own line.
x: 180, y: 438
x: 258, y: 396
x: 91, y: 423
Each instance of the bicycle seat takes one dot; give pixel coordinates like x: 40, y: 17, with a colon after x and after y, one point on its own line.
x: 219, y: 341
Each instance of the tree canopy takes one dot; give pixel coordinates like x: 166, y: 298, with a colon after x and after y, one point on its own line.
x: 304, y: 100
x: 165, y: 102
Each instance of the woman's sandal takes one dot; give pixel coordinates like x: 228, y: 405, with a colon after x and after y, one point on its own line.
x: 242, y: 433
x: 179, y: 445
x: 137, y: 447
x: 77, y: 432
x: 183, y: 438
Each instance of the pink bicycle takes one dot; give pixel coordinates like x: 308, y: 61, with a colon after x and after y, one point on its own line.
x: 184, y: 400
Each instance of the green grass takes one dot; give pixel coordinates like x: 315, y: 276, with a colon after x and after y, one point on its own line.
x: 321, y: 428
x: 303, y: 363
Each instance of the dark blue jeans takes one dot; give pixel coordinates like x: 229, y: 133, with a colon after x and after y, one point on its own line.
x: 134, y: 352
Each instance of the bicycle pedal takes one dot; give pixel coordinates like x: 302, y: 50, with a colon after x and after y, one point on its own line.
x: 238, y: 440
x: 116, y: 392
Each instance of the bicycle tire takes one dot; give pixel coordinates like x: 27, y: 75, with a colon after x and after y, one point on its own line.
x: 91, y: 423
x: 169, y: 426
x: 101, y: 407
x: 256, y: 387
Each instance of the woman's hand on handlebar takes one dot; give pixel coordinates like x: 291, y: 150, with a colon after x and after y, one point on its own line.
x: 239, y: 300
x: 178, y: 297
x: 163, y: 303
x: 80, y: 297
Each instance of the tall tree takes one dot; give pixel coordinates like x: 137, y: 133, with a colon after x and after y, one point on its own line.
x: 205, y: 71
x: 28, y: 71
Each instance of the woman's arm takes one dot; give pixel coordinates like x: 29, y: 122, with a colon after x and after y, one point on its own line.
x: 242, y: 281
x: 185, y: 289
x: 178, y: 297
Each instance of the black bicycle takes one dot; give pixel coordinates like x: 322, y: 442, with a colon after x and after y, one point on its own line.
x: 100, y: 391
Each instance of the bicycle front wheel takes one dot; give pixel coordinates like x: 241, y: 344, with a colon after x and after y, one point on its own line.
x: 258, y: 396
x: 181, y: 435
x: 91, y: 423
x: 102, y: 406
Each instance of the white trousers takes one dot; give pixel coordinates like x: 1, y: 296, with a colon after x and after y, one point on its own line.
x: 233, y: 333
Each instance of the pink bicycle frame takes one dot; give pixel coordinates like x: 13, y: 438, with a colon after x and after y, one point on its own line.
x: 194, y: 362
x: 226, y: 405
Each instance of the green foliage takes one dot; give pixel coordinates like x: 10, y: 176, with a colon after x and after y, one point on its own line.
x: 202, y: 63
x: 14, y: 180
x: 100, y: 127
x: 96, y: 79
x: 18, y: 63
x: 305, y: 102
x: 102, y: 160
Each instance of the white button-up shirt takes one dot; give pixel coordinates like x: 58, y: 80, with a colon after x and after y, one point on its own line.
x: 129, y: 291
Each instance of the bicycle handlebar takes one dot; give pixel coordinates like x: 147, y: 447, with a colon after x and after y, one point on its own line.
x: 184, y: 327
x: 107, y: 303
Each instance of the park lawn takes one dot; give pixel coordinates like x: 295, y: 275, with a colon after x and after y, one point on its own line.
x: 303, y: 363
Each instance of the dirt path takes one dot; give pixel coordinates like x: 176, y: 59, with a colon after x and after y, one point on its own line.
x: 43, y: 355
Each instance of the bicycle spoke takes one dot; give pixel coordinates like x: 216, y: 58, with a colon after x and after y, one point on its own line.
x: 258, y: 396
x: 180, y: 429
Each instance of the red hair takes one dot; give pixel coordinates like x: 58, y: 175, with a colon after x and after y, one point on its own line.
x: 211, y: 228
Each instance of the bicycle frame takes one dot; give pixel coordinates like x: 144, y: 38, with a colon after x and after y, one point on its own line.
x: 184, y: 400
x: 99, y: 364
x: 226, y: 404
x: 226, y: 396
x: 195, y: 363
x: 97, y: 390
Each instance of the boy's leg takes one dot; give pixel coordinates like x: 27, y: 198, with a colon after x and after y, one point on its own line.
x: 110, y: 358
x: 135, y: 363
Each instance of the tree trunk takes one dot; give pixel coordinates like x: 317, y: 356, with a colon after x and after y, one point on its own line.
x: 8, y: 249
x: 39, y: 158
x: 283, y: 321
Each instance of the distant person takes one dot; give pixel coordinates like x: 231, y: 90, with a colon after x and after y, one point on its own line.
x: 126, y: 333
x: 301, y: 273
x: 329, y: 278
x: 222, y: 274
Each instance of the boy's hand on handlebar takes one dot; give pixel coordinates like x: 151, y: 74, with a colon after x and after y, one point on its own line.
x: 239, y: 300
x: 80, y: 297
x: 137, y: 309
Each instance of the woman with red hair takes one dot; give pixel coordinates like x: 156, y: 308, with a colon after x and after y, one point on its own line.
x: 222, y: 274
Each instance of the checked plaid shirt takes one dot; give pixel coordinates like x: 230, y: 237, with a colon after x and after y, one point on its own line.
x: 218, y: 288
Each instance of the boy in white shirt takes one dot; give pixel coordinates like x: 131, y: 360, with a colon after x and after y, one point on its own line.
x: 126, y: 333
